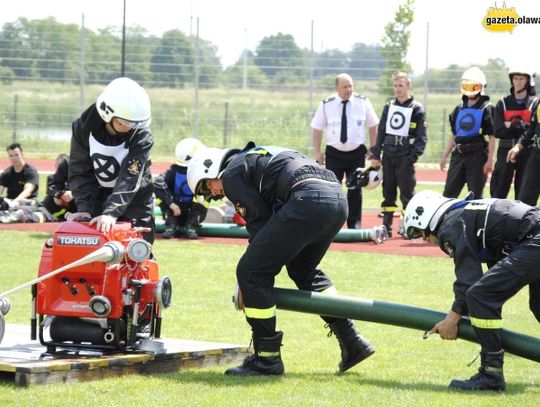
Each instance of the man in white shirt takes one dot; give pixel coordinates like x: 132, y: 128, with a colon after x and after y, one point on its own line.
x: 344, y: 116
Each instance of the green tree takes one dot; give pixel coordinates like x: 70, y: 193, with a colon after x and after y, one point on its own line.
x: 234, y: 74
x: 172, y: 62
x: 15, y: 49
x: 138, y: 46
x: 395, y: 45
x: 365, y: 61
x: 102, y: 55
x: 330, y: 61
x: 277, y: 53
x: 209, y: 64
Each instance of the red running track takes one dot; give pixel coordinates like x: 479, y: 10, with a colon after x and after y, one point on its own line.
x: 396, y: 245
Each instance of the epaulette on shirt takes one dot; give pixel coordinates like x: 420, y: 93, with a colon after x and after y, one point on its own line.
x: 328, y: 99
x: 356, y: 95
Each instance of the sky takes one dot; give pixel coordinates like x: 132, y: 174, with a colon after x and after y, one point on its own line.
x: 456, y: 34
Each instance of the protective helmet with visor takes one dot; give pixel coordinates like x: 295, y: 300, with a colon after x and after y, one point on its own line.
x: 186, y: 149
x: 125, y: 100
x: 473, y: 82
x: 207, y: 163
x: 524, y: 71
x: 368, y: 178
x: 424, y: 211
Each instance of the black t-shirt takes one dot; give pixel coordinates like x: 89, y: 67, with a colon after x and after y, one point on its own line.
x: 14, y: 181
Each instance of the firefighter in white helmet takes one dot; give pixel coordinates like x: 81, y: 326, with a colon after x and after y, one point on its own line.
x: 293, y: 208
x: 503, y: 234
x: 181, y: 210
x: 471, y: 123
x: 528, y: 143
x: 109, y: 170
x: 512, y: 118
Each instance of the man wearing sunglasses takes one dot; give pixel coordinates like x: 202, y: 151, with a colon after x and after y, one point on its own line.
x: 471, y: 121
x: 502, y: 233
x: 109, y: 172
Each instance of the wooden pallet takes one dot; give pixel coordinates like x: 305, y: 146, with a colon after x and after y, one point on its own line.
x: 22, y: 360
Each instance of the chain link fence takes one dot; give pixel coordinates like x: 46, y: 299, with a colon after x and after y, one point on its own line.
x: 49, y: 76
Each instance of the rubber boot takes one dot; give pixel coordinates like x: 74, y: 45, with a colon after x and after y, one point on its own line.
x: 170, y: 227
x: 388, y: 218
x: 266, y: 360
x: 489, y: 377
x: 354, y: 347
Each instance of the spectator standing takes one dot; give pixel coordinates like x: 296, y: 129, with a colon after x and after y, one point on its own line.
x: 343, y: 117
x: 402, y: 138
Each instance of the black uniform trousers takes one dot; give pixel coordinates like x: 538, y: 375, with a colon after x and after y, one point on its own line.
x: 182, y: 219
x: 466, y: 168
x: 345, y: 163
x: 530, y: 189
x: 504, y: 172
x: 486, y: 297
x: 398, y: 172
x: 297, y: 236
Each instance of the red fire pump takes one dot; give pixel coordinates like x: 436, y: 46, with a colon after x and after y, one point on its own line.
x: 98, y: 290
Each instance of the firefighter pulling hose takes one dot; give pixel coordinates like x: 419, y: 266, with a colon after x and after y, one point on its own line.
x: 96, y: 290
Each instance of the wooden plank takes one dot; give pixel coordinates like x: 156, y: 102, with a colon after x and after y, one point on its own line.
x: 22, y: 360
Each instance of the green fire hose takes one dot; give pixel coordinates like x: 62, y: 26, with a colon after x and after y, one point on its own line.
x: 376, y: 234
x: 395, y: 314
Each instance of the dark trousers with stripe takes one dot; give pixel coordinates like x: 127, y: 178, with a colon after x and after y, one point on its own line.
x: 296, y: 236
x: 487, y: 296
x: 504, y: 172
x: 344, y: 163
x: 530, y: 189
x: 398, y: 172
x: 466, y: 168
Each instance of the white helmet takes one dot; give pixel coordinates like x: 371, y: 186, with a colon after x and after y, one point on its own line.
x: 186, y: 149
x: 373, y: 178
x: 473, y: 81
x: 126, y: 100
x: 368, y: 178
x: 521, y: 70
x: 207, y: 163
x: 424, y: 211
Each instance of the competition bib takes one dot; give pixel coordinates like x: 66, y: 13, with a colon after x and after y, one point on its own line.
x: 398, y: 120
x: 106, y: 161
x: 469, y: 122
x: 181, y: 188
x: 517, y: 115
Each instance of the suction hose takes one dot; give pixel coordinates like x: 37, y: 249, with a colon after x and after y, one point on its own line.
x: 389, y: 313
x: 377, y: 234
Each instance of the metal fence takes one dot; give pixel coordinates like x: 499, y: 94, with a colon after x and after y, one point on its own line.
x: 46, y: 80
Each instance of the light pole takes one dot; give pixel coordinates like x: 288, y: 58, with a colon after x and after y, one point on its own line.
x: 123, y: 66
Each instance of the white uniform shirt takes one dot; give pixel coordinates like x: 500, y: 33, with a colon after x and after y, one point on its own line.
x: 360, y: 113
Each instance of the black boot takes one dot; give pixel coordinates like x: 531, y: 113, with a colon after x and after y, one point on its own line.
x: 265, y: 361
x: 489, y: 377
x: 388, y: 218
x: 354, y: 347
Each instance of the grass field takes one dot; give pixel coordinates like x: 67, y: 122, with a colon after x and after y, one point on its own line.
x: 225, y: 117
x: 405, y: 370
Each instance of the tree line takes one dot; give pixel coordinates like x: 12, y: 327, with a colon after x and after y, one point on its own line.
x: 45, y: 49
